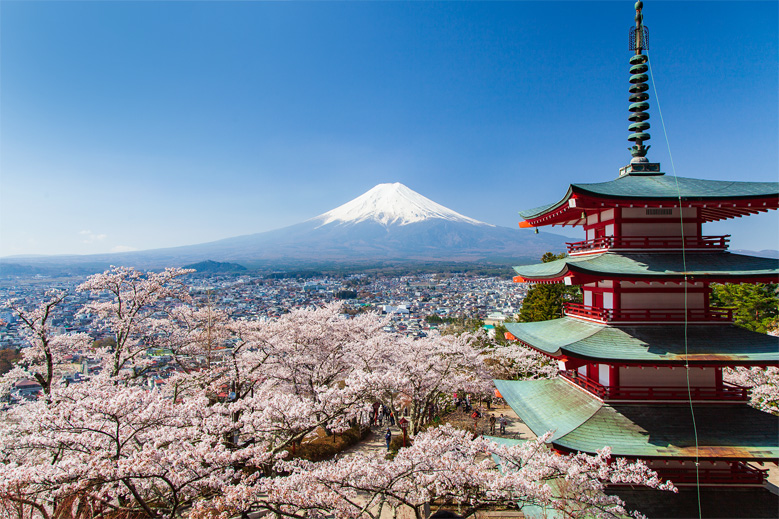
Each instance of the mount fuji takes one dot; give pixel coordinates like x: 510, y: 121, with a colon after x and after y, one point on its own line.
x: 388, y: 222
x: 392, y: 204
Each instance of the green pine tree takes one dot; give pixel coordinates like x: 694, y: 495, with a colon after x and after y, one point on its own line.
x: 756, y: 306
x: 544, y: 302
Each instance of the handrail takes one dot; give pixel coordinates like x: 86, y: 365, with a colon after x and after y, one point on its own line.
x: 650, y: 242
x: 740, y: 474
x: 722, y: 315
x: 729, y: 392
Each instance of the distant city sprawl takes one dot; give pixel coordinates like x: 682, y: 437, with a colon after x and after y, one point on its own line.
x: 416, y: 303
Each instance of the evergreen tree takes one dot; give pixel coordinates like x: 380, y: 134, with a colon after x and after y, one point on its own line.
x: 756, y: 307
x: 544, y: 302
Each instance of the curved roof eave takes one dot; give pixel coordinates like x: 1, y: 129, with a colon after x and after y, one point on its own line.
x: 529, y: 214
x: 581, y: 422
x: 642, y: 344
x: 661, y: 187
x: 724, y: 432
x: 655, y: 266
x: 670, y: 187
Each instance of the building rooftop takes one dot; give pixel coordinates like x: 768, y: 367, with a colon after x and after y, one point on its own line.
x: 582, y: 423
x: 724, y: 345
x: 718, y: 199
x: 715, y: 266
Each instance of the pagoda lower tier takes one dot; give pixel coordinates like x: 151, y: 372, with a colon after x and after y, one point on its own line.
x: 710, y: 444
x: 649, y: 363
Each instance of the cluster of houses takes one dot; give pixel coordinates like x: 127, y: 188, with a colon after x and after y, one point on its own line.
x: 415, y: 304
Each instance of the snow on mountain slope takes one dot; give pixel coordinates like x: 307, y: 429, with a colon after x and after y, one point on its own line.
x: 388, y: 223
x: 392, y: 204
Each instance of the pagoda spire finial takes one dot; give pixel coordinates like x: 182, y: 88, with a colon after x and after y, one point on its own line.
x: 638, y: 87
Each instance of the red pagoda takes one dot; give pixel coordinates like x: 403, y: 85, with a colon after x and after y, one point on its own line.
x: 641, y: 359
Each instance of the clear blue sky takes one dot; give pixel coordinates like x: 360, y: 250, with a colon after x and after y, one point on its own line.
x: 147, y: 124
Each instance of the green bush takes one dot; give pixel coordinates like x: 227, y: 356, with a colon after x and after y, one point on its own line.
x: 326, y: 447
x: 396, y: 443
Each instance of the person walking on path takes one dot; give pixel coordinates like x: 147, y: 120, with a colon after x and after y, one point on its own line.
x: 502, y: 421
x: 388, y: 437
x: 492, y: 424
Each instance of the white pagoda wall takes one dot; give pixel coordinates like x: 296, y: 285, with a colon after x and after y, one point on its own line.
x: 661, y: 300
x: 666, y: 377
x: 662, y: 295
x: 659, y: 224
x: 603, y: 216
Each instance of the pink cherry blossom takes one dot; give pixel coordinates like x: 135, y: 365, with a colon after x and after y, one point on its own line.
x: 212, y: 441
x: 45, y: 352
x: 445, y: 466
x: 764, y: 383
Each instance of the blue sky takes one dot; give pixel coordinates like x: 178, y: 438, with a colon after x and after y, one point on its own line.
x: 139, y: 125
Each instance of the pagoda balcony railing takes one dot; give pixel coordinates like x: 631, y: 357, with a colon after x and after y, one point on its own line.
x: 727, y: 392
x: 649, y: 242
x: 738, y: 474
x: 664, y: 315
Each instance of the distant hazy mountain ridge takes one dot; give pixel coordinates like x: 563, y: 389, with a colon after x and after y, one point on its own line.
x: 215, y: 266
x: 388, y: 223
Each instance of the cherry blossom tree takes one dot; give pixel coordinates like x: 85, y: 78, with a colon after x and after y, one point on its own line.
x: 289, y: 376
x: 764, y: 383
x: 134, y: 298
x: 46, y: 349
x: 213, y: 439
x: 101, y: 447
x: 426, y: 372
x: 103, y: 443
x: 518, y: 362
x: 277, y: 380
x: 444, y: 466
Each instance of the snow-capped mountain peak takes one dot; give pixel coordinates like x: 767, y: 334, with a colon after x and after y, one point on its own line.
x: 392, y: 204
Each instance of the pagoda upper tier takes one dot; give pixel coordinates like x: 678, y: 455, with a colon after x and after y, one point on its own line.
x: 710, y: 200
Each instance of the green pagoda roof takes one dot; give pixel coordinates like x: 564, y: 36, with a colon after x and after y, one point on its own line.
x: 717, y: 265
x: 662, y: 187
x: 582, y: 423
x: 706, y: 345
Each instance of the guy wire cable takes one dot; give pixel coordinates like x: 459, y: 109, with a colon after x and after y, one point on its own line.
x: 684, y: 267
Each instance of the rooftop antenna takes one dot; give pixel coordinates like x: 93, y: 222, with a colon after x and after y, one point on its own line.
x: 639, y: 118
x: 638, y: 87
